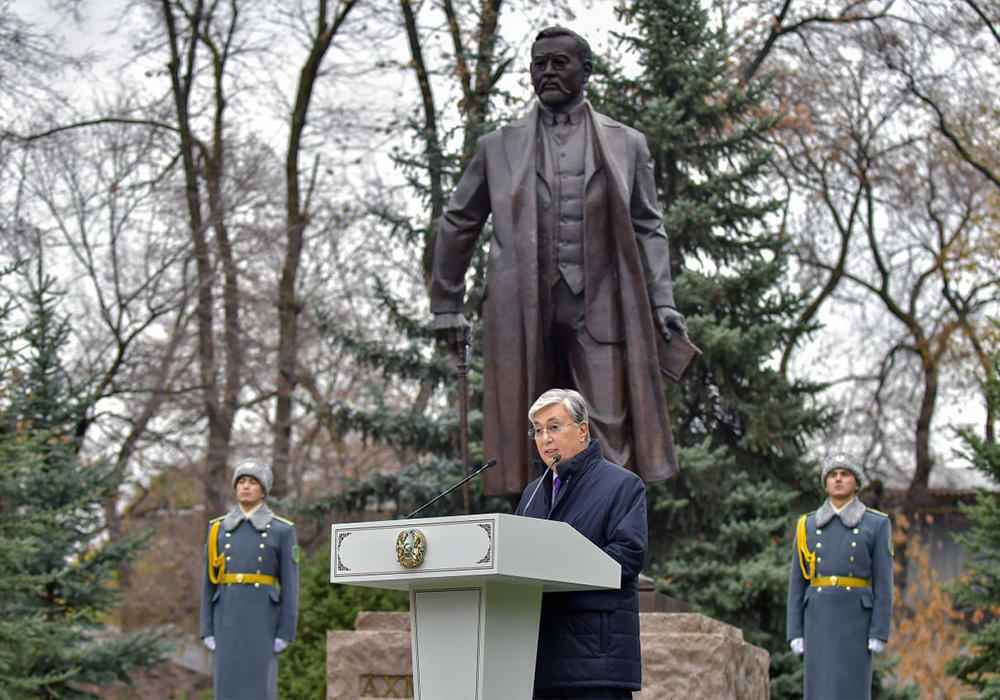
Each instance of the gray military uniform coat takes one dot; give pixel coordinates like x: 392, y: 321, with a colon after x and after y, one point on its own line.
x: 836, y: 621
x: 245, y: 618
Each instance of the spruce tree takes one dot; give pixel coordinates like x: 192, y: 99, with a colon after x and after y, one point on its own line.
x: 720, y: 531
x: 58, y: 572
x: 979, y: 591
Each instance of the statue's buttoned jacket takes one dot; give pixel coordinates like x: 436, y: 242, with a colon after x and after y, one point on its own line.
x: 837, y: 621
x: 245, y: 618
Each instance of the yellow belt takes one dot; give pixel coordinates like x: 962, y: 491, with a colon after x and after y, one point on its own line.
x: 248, y: 578
x: 841, y: 581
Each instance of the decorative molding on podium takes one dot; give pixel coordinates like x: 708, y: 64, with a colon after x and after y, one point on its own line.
x: 459, y: 546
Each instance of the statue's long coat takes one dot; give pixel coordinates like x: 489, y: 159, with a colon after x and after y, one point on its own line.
x: 626, y: 273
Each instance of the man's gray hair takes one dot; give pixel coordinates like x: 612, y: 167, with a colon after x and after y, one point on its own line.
x: 573, y: 401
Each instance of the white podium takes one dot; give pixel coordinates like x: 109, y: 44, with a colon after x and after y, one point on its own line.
x: 476, y: 594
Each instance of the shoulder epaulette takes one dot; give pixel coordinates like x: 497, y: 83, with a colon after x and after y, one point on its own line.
x: 286, y: 521
x: 878, y: 512
x: 214, y: 519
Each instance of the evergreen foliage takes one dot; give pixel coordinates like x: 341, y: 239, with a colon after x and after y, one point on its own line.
x: 427, y: 436
x: 57, y: 573
x: 406, y: 355
x: 394, y: 495
x: 979, y: 591
x: 720, y: 532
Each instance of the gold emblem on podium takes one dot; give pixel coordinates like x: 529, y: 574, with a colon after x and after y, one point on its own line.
x: 410, y: 548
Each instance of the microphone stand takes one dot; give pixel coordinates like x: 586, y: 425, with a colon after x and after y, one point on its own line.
x: 460, y: 483
x: 463, y: 417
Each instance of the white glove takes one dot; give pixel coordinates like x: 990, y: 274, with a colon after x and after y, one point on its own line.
x: 798, y: 646
x: 279, y: 645
x: 209, y: 642
x: 875, y: 645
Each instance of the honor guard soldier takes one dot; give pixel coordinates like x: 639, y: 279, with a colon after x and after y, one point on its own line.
x: 840, y: 588
x: 250, y: 594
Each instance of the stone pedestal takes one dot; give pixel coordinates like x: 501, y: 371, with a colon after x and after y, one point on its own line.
x: 690, y: 656
x: 373, y: 661
x: 684, y: 655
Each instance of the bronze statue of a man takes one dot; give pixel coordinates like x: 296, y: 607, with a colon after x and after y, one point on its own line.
x: 578, y: 278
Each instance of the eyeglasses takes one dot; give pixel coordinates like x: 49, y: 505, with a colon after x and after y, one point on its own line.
x: 535, y: 433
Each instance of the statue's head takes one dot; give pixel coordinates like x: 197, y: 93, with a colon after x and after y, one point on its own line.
x: 561, y: 64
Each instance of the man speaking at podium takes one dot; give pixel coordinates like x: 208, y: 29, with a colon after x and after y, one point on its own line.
x: 588, y: 641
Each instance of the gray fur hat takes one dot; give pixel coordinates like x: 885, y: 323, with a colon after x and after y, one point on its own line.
x: 258, y: 470
x: 841, y: 461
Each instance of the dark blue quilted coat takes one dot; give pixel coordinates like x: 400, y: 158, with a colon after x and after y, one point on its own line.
x: 591, y: 638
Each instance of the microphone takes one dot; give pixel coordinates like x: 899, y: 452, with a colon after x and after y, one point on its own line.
x: 555, y: 461
x: 445, y: 493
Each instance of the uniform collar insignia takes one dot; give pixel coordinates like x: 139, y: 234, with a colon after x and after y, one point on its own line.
x: 850, y: 515
x: 261, y: 517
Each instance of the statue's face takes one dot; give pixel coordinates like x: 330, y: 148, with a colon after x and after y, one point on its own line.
x: 558, y: 74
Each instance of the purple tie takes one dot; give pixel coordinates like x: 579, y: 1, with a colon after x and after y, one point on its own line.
x: 555, y: 487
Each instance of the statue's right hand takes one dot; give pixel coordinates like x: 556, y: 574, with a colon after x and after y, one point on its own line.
x: 453, y: 329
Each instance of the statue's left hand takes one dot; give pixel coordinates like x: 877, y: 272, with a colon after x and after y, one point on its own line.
x: 669, y: 320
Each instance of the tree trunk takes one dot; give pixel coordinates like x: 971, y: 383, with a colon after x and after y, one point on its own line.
x: 296, y: 219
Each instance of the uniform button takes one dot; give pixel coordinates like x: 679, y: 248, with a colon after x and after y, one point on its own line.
x: 819, y: 590
x: 229, y: 558
x: 848, y: 588
x: 833, y: 580
x: 269, y: 526
x: 256, y: 585
x: 228, y: 545
x: 855, y: 531
x: 818, y: 531
x: 818, y: 545
x: 262, y: 545
x: 263, y: 534
x: 260, y: 559
x: 819, y: 559
x: 852, y: 558
x: 854, y: 544
x: 229, y: 534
